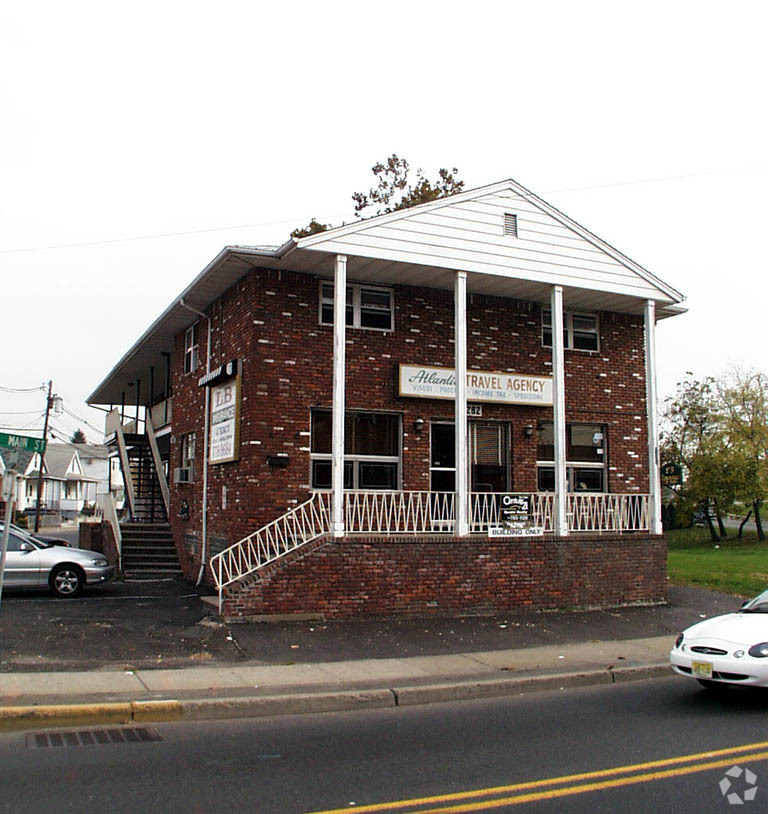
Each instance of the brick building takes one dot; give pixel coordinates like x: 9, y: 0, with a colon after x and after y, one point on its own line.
x: 312, y: 463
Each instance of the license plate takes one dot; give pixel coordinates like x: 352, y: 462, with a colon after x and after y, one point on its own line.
x: 701, y: 669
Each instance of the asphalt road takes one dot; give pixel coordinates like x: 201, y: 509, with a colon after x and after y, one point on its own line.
x: 476, y: 753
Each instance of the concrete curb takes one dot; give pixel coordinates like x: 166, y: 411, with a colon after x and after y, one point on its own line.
x: 16, y: 718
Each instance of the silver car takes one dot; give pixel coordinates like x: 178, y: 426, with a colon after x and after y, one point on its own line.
x: 31, y: 563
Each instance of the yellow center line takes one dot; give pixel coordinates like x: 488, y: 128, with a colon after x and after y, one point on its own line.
x: 571, y: 778
x: 586, y: 787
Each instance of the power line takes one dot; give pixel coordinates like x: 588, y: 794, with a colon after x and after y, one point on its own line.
x: 161, y: 235
x: 156, y: 236
x: 82, y: 420
x: 22, y: 389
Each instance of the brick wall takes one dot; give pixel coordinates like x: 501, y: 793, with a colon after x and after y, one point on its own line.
x: 269, y: 320
x: 370, y: 577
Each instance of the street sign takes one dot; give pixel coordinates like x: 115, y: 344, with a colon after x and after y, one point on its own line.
x: 672, y: 474
x: 25, y: 442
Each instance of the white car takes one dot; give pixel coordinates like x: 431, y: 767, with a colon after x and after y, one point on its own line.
x: 728, y: 649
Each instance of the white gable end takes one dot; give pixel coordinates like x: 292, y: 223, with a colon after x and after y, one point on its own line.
x: 467, y: 233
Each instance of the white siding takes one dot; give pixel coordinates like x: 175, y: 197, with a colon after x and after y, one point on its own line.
x: 469, y: 235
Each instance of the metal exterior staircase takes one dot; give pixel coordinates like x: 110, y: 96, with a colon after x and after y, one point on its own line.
x: 148, y: 552
x: 149, y: 506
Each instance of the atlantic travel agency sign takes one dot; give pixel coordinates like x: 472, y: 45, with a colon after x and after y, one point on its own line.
x: 419, y: 381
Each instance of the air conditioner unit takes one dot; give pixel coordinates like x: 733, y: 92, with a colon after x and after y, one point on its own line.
x: 182, y: 474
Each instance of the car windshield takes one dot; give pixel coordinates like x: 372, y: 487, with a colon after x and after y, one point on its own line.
x: 26, y: 536
x: 757, y: 605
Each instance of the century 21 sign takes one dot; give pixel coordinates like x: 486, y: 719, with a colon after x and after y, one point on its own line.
x: 225, y: 422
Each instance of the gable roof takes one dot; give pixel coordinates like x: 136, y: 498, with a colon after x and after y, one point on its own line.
x: 548, y: 247
x: 423, y: 246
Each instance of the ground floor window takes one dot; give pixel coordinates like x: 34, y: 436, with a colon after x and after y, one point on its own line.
x: 372, y: 458
x: 585, y: 457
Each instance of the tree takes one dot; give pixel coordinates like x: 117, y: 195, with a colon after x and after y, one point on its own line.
x: 79, y: 437
x: 718, y: 430
x: 312, y: 228
x: 393, y: 192
x: 744, y: 399
x: 691, y: 431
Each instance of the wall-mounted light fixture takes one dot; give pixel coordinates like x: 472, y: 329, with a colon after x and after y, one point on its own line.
x: 528, y: 430
x: 418, y: 425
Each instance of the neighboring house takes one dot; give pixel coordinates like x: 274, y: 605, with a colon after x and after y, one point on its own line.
x: 65, y: 485
x: 447, y: 408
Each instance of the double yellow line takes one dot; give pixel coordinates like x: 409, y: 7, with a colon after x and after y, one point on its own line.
x: 535, y: 790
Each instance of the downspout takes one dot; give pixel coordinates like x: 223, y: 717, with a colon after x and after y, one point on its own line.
x: 204, y: 547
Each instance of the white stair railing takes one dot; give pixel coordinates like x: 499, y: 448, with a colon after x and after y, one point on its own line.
x: 294, y: 529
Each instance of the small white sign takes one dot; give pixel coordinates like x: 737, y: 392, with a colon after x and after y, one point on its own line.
x: 225, y: 410
x: 507, y: 531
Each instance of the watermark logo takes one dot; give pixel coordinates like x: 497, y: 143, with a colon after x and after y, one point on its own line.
x: 739, y: 786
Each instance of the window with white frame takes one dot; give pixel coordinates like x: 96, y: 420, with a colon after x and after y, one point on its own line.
x: 191, y: 349
x: 580, y: 330
x: 367, y: 306
x: 187, y: 456
x: 585, y: 458
x: 371, y: 450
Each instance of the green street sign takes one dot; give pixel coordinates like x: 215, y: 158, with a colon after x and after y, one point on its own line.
x: 25, y: 442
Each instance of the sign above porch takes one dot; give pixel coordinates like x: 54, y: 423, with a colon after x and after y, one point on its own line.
x: 420, y: 381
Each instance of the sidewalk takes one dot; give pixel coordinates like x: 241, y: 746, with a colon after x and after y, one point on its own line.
x: 299, y: 667
x: 58, y: 699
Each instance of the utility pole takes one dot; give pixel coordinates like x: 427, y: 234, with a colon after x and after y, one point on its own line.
x: 48, y: 406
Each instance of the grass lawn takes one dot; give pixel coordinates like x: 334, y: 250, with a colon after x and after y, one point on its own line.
x: 736, y: 567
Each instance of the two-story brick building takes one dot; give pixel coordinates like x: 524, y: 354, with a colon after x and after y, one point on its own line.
x: 293, y: 413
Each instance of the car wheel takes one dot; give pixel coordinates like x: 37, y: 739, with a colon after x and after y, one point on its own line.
x: 67, y: 581
x: 713, y: 686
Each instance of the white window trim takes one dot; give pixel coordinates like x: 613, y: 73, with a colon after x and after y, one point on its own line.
x: 191, y: 352
x: 571, y: 465
x: 568, y: 325
x: 355, y: 459
x: 354, y: 299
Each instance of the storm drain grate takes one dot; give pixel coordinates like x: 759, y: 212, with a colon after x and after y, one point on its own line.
x: 92, y: 737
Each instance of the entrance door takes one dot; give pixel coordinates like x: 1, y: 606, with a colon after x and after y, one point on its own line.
x: 488, y: 460
x: 487, y: 455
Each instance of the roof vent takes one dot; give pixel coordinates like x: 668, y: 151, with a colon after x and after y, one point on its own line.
x: 510, y: 224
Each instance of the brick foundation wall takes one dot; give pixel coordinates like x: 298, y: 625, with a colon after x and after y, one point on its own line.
x: 359, y: 577
x: 269, y: 321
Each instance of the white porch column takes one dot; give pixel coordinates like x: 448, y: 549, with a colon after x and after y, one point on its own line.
x: 460, y: 338
x: 560, y: 521
x: 652, y: 408
x: 339, y: 399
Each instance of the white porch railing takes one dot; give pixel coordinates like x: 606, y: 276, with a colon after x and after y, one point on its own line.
x: 389, y: 513
x: 588, y: 511
x: 380, y: 512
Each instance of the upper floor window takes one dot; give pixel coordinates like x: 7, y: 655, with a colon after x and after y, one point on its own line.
x: 191, y: 349
x: 367, y: 306
x: 580, y: 331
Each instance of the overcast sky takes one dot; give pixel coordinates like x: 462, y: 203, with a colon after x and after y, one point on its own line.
x: 139, y: 139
